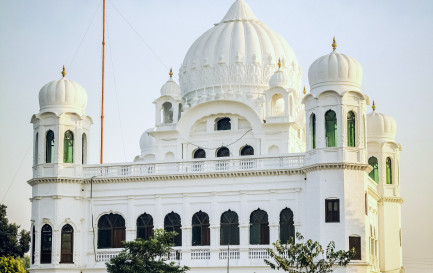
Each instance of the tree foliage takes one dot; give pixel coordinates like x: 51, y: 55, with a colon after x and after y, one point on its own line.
x: 12, y: 242
x: 307, y: 257
x: 11, y: 264
x: 146, y: 256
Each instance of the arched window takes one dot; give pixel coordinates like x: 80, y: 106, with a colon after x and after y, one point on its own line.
x: 313, y: 130
x: 287, y: 229
x: 84, y: 149
x: 179, y: 114
x: 67, y: 244
x: 229, y: 231
x: 35, y: 157
x: 172, y: 223
x: 200, y: 229
x: 388, y: 171
x: 374, y: 174
x: 167, y: 112
x: 223, y: 152
x: 259, y: 228
x: 200, y: 153
x: 331, y: 128
x: 223, y: 124
x: 247, y: 150
x: 49, y: 147
x: 68, y: 147
x: 350, y: 129
x: 111, y: 231
x: 46, y: 244
x: 33, y: 244
x: 144, y: 226
x: 277, y: 105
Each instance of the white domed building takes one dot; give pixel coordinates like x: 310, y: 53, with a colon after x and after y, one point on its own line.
x: 240, y: 156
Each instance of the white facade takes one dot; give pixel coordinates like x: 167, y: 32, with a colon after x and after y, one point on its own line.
x: 240, y: 90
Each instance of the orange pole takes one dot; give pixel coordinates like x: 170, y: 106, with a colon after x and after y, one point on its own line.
x: 103, y: 72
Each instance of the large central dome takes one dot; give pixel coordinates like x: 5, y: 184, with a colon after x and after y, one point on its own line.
x: 238, y: 54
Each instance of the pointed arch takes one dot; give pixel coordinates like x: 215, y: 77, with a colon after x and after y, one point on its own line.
x: 223, y: 152
x: 331, y: 128
x: 247, y: 150
x: 287, y: 228
x: 167, y: 112
x: 351, y: 129
x: 46, y: 244
x: 259, y: 228
x: 374, y: 174
x: 388, y: 170
x: 111, y: 231
x: 200, y: 229
x: 68, y: 147
x: 144, y: 226
x: 229, y: 230
x: 67, y: 244
x: 172, y: 222
x: 199, y: 153
x: 49, y: 147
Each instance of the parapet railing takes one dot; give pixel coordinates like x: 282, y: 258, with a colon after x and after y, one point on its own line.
x: 196, y: 166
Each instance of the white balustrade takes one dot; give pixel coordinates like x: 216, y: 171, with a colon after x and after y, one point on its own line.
x: 107, y: 255
x: 174, y: 255
x: 196, y: 166
x: 233, y: 254
x: 200, y: 254
x: 258, y: 253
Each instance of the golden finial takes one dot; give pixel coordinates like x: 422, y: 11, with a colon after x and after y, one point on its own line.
x: 171, y: 73
x: 334, y: 44
x: 279, y: 62
x: 64, y: 72
x: 305, y: 90
x: 373, y: 106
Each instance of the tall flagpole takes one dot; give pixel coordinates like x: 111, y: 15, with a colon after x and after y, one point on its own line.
x: 103, y: 73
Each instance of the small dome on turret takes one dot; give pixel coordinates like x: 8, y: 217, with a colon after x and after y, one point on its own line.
x: 279, y: 79
x: 380, y: 125
x: 170, y: 88
x: 335, y: 68
x: 147, y: 142
x: 62, y: 96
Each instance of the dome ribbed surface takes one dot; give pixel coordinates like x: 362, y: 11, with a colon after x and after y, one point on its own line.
x: 61, y: 96
x: 239, y: 51
x: 381, y: 126
x: 279, y: 79
x: 335, y: 68
x: 170, y: 88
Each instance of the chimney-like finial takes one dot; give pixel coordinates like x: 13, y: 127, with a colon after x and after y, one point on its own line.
x: 334, y: 44
x: 279, y: 62
x: 373, y: 106
x: 305, y: 90
x: 64, y: 72
x: 171, y: 72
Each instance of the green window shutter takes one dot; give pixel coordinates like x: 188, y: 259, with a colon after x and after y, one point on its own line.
x: 49, y: 147
x: 388, y: 171
x: 68, y: 147
x: 374, y: 174
x: 313, y: 130
x: 350, y: 129
x: 331, y: 128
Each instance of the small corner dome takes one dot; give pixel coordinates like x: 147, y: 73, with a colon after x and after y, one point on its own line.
x: 381, y: 126
x: 146, y: 142
x: 62, y: 96
x: 279, y: 79
x: 170, y: 88
x: 335, y: 68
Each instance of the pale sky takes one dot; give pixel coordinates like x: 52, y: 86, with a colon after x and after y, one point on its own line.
x: 393, y: 41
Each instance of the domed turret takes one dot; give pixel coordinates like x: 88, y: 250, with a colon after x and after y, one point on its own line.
x: 238, y: 54
x: 279, y: 79
x: 335, y: 69
x: 147, y: 143
x: 62, y: 96
x: 380, y: 125
x: 170, y: 88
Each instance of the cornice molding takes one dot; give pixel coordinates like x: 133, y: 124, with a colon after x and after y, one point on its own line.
x: 185, y: 176
x: 398, y: 200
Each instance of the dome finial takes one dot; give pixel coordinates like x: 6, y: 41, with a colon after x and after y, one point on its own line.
x: 373, y: 106
x: 279, y: 63
x: 171, y: 72
x: 334, y: 44
x: 305, y: 90
x: 64, y: 72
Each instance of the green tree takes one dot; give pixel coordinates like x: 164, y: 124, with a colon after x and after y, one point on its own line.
x: 10, y: 264
x: 307, y: 257
x: 12, y: 243
x: 146, y: 256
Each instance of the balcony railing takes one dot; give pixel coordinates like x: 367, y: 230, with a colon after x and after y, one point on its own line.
x: 196, y: 166
x: 233, y: 254
x: 107, y: 254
